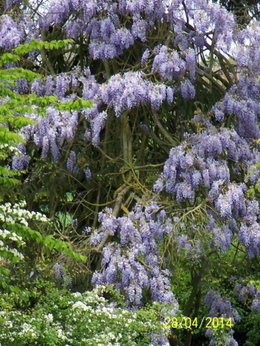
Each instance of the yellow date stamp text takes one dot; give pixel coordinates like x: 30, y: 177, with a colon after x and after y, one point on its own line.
x: 190, y: 323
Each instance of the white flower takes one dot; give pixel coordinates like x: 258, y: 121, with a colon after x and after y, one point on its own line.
x: 76, y: 294
x: 111, y: 336
x: 60, y: 334
x: 9, y: 324
x: 49, y: 318
x: 80, y: 305
x: 27, y: 328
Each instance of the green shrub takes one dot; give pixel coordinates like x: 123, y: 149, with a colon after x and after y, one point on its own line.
x: 63, y: 318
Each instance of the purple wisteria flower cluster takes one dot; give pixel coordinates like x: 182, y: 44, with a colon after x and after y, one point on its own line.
x: 242, y: 100
x: 51, y: 131
x: 131, y: 89
x: 173, y: 65
x: 103, y: 22
x: 169, y: 63
x: 222, y: 234
x: 133, y: 263
x: 201, y: 160
x: 11, y: 34
x: 186, y: 242
x: 121, y: 92
x: 108, y: 37
x: 247, y: 50
x: 248, y: 294
x: 245, y: 108
x: 103, y: 26
x: 221, y: 307
x: 203, y: 163
x: 226, y: 340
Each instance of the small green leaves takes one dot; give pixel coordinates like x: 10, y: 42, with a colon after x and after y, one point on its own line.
x: 35, y: 44
x: 15, y: 73
x: 75, y: 105
x: 8, y: 58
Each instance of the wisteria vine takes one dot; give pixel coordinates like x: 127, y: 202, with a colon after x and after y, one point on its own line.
x: 181, y: 49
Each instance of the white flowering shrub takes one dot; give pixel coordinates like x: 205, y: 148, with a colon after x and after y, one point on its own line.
x: 64, y: 318
x: 15, y: 230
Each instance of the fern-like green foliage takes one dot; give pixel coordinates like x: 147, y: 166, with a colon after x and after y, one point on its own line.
x: 14, y: 217
x: 13, y: 106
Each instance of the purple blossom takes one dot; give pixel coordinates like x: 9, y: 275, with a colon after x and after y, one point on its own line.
x: 157, y: 94
x: 22, y: 86
x: 75, y: 28
x: 206, y: 177
x: 134, y: 293
x: 244, y: 108
x: 229, y: 339
x: 183, y: 191
x: 139, y: 234
x: 71, y: 162
x: 218, y: 113
x: 145, y: 57
x: 187, y: 90
x: 222, y: 204
x: 196, y: 179
x: 55, y: 150
x: 206, y: 147
x: 215, y: 189
x: 99, y: 50
x: 87, y: 173
x: 97, y: 124
x: 62, y: 85
x: 124, y: 92
x: 131, y: 90
x: 139, y: 29
x: 11, y: 34
x: 168, y: 63
x: 220, y: 306
x: 158, y: 186
x: 249, y: 235
x: 256, y: 301
x: 169, y: 94
x: 96, y: 237
x: 122, y: 39
x: 58, y: 271
x: 20, y: 162
x: 190, y: 58
x: 221, y: 235
x: 183, y: 242
x: 245, y: 292
x: 107, y: 29
x: 110, y: 273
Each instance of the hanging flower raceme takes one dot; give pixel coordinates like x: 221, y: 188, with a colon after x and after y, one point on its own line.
x: 11, y: 34
x: 203, y: 163
x: 221, y: 307
x: 133, y: 263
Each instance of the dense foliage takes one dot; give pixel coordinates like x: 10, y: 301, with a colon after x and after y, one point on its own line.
x: 132, y: 126
x: 60, y: 317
